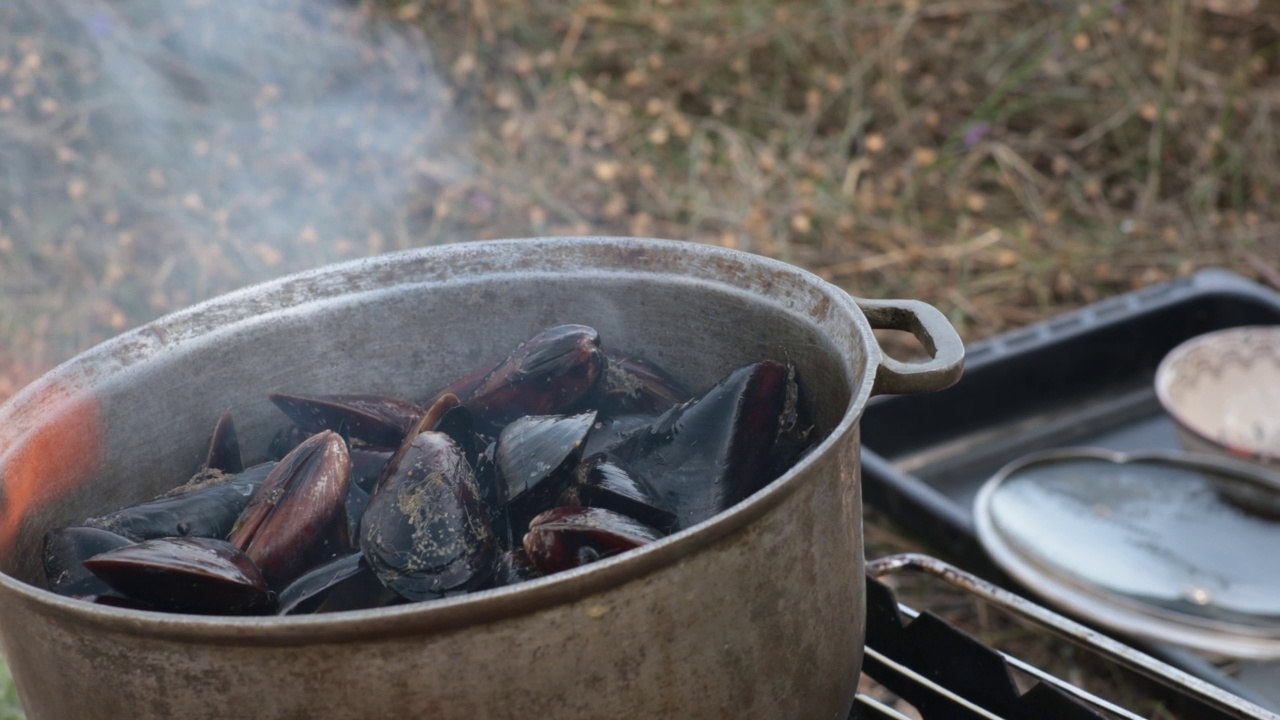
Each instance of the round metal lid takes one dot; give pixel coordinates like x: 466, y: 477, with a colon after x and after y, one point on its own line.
x: 1142, y: 544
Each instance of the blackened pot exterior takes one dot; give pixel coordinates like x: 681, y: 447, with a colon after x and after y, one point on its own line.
x: 757, y: 612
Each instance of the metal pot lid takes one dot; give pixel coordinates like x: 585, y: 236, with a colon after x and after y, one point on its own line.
x: 1142, y: 544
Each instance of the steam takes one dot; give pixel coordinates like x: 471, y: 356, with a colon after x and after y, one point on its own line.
x: 155, y: 153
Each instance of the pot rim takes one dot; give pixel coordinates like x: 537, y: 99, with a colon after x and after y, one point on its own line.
x: 464, y: 610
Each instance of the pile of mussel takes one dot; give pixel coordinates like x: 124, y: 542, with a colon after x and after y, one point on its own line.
x: 553, y: 458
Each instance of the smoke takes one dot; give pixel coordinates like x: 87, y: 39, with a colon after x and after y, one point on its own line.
x: 155, y: 153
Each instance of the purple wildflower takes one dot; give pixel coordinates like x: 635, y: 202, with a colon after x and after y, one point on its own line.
x: 974, y: 134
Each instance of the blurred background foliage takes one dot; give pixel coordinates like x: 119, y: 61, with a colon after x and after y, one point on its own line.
x: 1005, y: 160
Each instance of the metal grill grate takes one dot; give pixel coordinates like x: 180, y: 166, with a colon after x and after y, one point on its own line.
x: 946, y: 674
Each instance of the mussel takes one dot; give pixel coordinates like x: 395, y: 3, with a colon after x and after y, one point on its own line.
x: 297, y: 517
x: 554, y: 458
x: 344, y: 583
x: 534, y: 450
x: 709, y: 453
x: 224, y: 447
x: 65, y: 551
x: 195, y: 575
x: 547, y: 375
x: 604, y: 482
x: 630, y: 385
x: 208, y: 508
x: 374, y: 419
x: 612, y: 431
x: 425, y: 532
x: 564, y: 538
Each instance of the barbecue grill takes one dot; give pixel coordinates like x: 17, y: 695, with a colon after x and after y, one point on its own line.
x: 1083, y: 379
x: 947, y: 674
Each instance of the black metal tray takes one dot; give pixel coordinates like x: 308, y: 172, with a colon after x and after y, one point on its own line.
x: 1084, y: 378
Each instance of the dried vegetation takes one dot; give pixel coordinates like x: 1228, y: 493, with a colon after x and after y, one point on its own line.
x: 1005, y: 160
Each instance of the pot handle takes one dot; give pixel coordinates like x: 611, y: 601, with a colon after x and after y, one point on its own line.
x: 933, y: 330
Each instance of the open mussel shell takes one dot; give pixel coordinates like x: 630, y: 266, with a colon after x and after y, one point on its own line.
x: 613, y: 431
x: 630, y: 385
x: 547, y: 375
x: 344, y: 583
x: 374, y: 419
x: 534, y: 457
x: 209, y: 508
x: 224, y: 447
x: 567, y: 537
x: 711, y: 452
x: 537, y: 447
x: 195, y: 575
x: 426, y: 531
x: 604, y: 482
x: 65, y: 551
x: 297, y: 518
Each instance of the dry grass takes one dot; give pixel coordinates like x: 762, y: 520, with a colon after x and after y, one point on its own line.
x: 1004, y: 160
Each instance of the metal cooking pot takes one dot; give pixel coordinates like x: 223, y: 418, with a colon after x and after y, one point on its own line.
x: 757, y: 612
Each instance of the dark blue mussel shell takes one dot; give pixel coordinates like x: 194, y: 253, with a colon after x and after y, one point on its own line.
x: 703, y: 456
x: 207, y: 509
